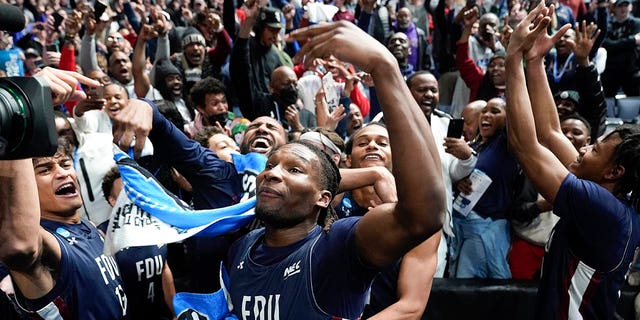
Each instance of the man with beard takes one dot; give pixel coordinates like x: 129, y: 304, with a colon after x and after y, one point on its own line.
x: 196, y: 61
x: 253, y: 61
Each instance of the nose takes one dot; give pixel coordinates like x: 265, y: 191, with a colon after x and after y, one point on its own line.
x: 569, y: 136
x: 61, y: 173
x: 372, y: 145
x: 584, y: 150
x: 273, y: 175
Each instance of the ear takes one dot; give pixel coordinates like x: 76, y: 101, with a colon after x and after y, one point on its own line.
x: 112, y: 200
x: 348, y: 161
x: 200, y: 109
x: 336, y: 159
x: 615, y: 173
x: 325, y: 199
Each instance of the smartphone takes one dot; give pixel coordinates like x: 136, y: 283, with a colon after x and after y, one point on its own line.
x: 330, y: 92
x: 455, y: 128
x: 94, y: 93
x: 57, y: 21
x: 52, y: 47
x: 98, y: 9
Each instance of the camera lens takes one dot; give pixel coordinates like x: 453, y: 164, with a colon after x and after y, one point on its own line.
x: 27, y: 127
x: 13, y: 117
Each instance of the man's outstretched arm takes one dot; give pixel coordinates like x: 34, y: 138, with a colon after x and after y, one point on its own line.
x: 417, y: 215
x: 544, y: 109
x: 539, y: 164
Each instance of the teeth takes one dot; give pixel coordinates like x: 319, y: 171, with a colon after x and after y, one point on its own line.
x: 261, y: 143
x: 66, y: 188
x: 372, y: 157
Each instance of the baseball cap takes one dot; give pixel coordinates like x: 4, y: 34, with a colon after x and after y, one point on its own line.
x: 31, y: 52
x: 619, y: 2
x: 568, y: 95
x: 271, y: 17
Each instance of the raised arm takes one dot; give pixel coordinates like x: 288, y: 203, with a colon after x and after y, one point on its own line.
x: 22, y: 241
x: 88, y: 60
x: 544, y: 169
x: 417, y: 214
x: 593, y: 105
x: 545, y: 113
x: 141, y: 80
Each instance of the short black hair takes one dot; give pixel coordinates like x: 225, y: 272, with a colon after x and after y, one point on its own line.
x: 349, y: 145
x: 118, y: 85
x: 205, y: 86
x: 107, y: 181
x: 417, y: 73
x: 578, y: 117
x: 329, y: 180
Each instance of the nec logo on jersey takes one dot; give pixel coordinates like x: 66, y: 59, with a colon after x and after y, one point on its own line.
x: 291, y: 270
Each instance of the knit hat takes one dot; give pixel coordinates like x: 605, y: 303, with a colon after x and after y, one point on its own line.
x: 192, y: 35
x: 498, y: 54
x: 270, y: 17
x: 165, y: 68
x: 568, y: 95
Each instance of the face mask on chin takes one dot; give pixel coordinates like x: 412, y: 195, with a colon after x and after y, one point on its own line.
x: 287, y: 96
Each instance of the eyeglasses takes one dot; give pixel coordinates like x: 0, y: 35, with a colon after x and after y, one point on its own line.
x: 112, y: 38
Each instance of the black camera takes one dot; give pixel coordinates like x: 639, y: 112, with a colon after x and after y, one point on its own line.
x: 27, y: 127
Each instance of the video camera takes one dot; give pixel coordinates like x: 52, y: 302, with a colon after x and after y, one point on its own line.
x: 27, y: 127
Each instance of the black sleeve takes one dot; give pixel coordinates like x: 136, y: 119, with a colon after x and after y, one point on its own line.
x: 592, y: 106
x: 523, y: 207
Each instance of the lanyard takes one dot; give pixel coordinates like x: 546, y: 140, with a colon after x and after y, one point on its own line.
x: 558, y: 76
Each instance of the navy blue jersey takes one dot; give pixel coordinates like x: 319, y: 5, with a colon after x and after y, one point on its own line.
x: 495, y: 159
x: 348, y: 207
x: 317, y: 277
x: 88, y: 284
x: 588, y: 254
x: 141, y: 270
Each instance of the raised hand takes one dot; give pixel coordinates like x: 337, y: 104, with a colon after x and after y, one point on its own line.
x: 585, y: 37
x: 73, y: 23
x: 63, y: 84
x: 337, y: 39
x: 505, y: 35
x: 131, y: 124
x: 470, y: 17
x: 529, y: 36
